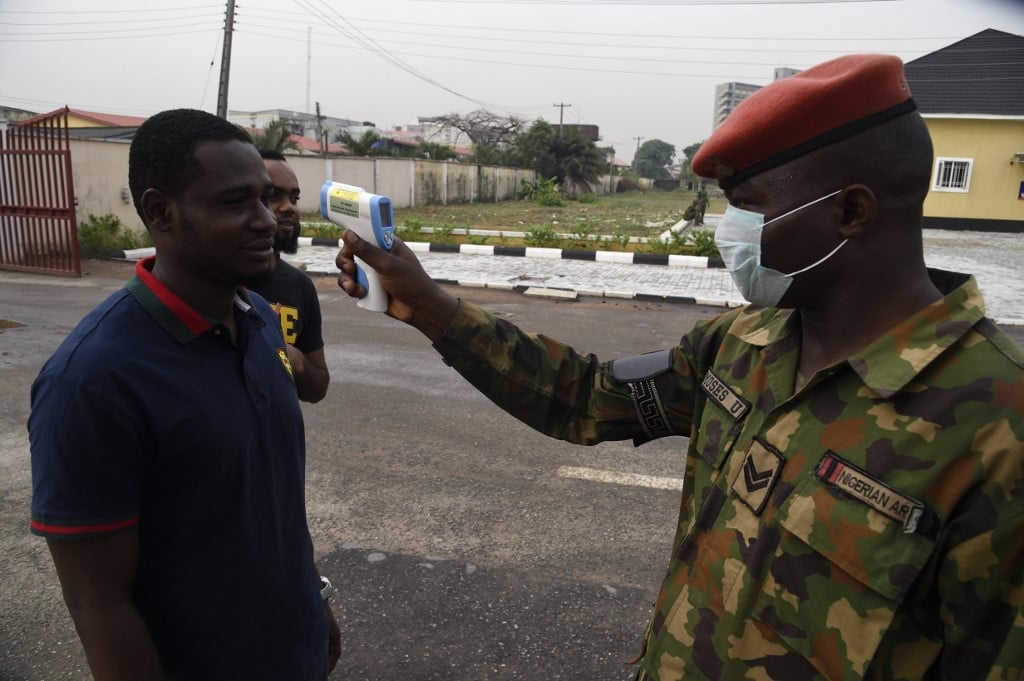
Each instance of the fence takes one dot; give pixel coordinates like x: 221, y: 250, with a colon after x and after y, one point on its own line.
x: 37, y: 201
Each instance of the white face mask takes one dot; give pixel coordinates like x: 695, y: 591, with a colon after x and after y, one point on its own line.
x: 738, y: 238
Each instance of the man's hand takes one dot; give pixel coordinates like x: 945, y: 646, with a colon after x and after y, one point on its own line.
x: 309, y: 369
x: 414, y: 297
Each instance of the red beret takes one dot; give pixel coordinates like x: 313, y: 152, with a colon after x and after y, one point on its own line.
x: 796, y: 115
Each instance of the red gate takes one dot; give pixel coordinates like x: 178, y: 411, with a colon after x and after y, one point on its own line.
x: 37, y: 197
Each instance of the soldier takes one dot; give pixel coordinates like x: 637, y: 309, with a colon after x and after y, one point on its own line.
x: 853, y: 504
x: 700, y: 205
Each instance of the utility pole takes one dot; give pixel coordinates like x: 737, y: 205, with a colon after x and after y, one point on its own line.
x: 320, y: 131
x: 309, y: 63
x: 561, y: 114
x: 225, y: 61
x: 637, y: 150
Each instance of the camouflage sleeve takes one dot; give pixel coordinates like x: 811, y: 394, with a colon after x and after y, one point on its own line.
x: 981, y: 586
x: 549, y: 386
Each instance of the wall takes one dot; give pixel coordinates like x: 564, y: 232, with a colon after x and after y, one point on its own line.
x: 995, y: 183
x: 100, y: 172
x: 100, y: 169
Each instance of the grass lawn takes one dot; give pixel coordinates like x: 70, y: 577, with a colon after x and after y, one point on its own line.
x: 614, y: 218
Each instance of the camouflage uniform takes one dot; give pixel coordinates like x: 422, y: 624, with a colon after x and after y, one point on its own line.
x: 867, y: 525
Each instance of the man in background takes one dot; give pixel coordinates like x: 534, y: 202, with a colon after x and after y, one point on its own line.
x: 290, y: 292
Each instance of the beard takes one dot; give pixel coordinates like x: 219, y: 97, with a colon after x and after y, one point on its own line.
x: 289, y: 244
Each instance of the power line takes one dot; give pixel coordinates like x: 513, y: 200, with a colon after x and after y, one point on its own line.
x: 356, y: 35
x: 108, y: 21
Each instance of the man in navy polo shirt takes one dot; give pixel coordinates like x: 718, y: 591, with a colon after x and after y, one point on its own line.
x: 167, y: 441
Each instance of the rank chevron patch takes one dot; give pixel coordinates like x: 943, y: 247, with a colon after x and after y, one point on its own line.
x: 761, y: 467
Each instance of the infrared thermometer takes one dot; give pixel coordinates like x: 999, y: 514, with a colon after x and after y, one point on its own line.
x: 372, y: 218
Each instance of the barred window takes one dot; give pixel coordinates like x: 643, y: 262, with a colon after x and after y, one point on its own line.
x: 952, y: 175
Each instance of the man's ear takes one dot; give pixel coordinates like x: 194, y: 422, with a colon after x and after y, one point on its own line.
x: 161, y: 210
x: 860, y: 206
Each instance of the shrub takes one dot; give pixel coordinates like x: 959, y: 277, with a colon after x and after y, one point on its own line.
x: 443, y: 233
x: 100, y: 236
x: 675, y: 244
x: 587, y: 198
x: 321, y: 230
x: 704, y: 243
x: 619, y: 238
x: 627, y: 184
x: 541, y: 236
x: 579, y: 235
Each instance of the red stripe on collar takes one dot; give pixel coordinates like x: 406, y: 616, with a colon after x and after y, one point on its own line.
x: 192, y: 320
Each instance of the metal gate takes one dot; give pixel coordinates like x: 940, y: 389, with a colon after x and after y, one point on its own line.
x: 37, y: 197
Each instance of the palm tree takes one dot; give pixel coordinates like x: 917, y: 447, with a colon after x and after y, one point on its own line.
x: 361, y: 146
x: 275, y: 136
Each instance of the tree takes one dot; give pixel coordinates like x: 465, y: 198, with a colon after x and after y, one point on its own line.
x: 436, y: 151
x: 652, y: 158
x: 571, y: 159
x: 686, y: 172
x: 361, y: 146
x: 275, y: 136
x: 484, y: 128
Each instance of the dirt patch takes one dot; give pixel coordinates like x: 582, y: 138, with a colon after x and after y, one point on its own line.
x: 108, y: 269
x: 8, y: 324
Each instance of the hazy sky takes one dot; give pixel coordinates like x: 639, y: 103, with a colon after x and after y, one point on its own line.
x: 636, y: 69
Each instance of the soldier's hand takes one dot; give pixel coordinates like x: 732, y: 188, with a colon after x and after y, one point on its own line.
x: 414, y: 297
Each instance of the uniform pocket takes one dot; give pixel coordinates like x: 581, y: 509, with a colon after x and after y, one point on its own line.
x: 839, y: 574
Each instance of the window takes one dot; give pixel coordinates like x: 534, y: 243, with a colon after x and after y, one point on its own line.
x: 952, y: 175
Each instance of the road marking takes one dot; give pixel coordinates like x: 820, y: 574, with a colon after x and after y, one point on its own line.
x: 618, y: 478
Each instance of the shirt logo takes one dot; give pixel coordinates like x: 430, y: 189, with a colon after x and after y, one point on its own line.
x: 282, y: 354
x: 844, y: 477
x: 761, y: 467
x: 724, y: 396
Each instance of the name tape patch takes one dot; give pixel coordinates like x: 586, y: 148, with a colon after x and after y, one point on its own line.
x: 724, y: 396
x: 856, y: 484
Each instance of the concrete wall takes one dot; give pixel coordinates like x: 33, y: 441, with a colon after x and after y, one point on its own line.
x: 100, y: 172
x: 100, y: 169
x: 995, y: 183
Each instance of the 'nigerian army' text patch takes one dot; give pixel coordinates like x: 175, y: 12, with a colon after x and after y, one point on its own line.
x: 725, y: 396
x: 845, y: 477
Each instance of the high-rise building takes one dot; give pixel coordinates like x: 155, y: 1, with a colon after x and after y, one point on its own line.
x: 729, y: 95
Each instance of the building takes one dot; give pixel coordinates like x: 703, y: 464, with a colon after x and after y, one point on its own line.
x: 971, y: 96
x: 728, y: 96
x: 299, y: 123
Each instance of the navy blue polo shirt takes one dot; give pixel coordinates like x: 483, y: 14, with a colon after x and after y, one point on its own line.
x: 148, y: 416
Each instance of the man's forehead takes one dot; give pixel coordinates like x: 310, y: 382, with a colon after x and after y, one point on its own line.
x: 280, y: 171
x: 230, y: 162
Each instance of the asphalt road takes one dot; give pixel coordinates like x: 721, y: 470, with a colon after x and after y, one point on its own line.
x: 460, y: 544
x: 458, y: 549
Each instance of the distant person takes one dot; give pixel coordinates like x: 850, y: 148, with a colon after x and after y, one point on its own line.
x: 168, y: 451
x: 290, y: 292
x: 853, y: 498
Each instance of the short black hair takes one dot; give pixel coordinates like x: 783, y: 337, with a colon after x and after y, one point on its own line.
x: 162, y: 155
x: 272, y: 155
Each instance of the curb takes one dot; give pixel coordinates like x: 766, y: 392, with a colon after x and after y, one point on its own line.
x: 618, y: 257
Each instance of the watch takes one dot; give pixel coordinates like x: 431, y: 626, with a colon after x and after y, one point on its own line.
x: 326, y: 590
